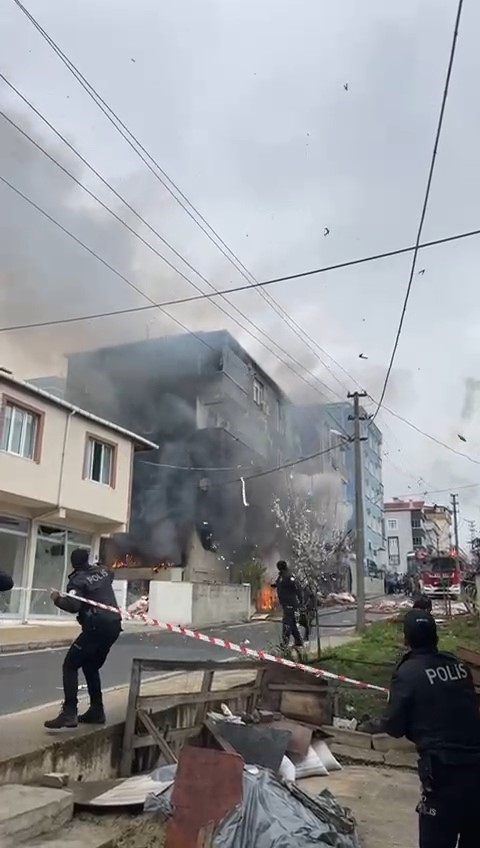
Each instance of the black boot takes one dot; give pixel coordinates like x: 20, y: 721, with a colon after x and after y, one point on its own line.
x: 94, y: 715
x: 66, y: 720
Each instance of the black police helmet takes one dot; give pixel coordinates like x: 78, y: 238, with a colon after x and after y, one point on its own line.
x: 79, y: 559
x: 419, y: 629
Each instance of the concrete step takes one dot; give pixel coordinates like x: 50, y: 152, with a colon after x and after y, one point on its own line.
x: 27, y: 812
x: 77, y: 835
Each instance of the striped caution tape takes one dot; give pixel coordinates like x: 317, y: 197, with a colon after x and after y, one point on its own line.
x: 231, y: 646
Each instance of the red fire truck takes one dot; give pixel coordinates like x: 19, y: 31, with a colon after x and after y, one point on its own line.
x: 437, y: 574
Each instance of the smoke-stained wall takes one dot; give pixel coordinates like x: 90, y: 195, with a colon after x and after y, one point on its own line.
x: 216, y: 416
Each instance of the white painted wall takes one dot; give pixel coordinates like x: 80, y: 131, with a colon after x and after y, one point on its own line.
x: 215, y: 603
x: 171, y: 602
x: 199, y: 604
x: 373, y: 585
x: 55, y: 479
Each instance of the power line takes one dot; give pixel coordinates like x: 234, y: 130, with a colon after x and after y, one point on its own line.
x: 428, y: 435
x: 424, y: 207
x: 195, y: 286
x: 211, y: 295
x: 134, y: 143
x: 131, y: 139
x: 290, y: 463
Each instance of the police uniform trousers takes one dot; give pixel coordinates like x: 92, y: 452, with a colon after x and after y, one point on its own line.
x: 88, y: 652
x: 449, y: 812
x: 290, y: 627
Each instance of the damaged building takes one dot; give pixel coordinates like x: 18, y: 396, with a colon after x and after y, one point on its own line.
x: 218, y: 419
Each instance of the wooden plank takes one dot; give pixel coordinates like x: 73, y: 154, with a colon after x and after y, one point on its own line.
x: 159, y: 702
x: 257, y: 688
x: 303, y: 705
x: 154, y: 731
x: 469, y: 655
x: 205, y: 690
x: 176, y: 735
x: 131, y: 718
x: 297, y: 687
x: 199, y: 665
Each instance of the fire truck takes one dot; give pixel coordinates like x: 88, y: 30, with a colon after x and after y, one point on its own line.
x: 437, y: 574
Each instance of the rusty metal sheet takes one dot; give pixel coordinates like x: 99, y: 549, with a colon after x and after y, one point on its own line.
x: 207, y: 786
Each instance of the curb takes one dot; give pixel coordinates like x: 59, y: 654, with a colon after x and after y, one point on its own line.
x: 15, y: 647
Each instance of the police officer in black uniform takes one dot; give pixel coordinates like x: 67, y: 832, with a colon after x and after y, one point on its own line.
x: 100, y: 630
x: 290, y: 598
x: 433, y: 703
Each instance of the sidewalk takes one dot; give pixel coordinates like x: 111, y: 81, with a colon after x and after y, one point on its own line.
x: 49, y: 634
x: 383, y: 802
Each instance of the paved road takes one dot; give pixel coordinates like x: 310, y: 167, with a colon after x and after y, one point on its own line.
x: 34, y: 678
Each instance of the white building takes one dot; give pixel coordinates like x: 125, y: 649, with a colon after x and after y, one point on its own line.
x: 412, y: 526
x: 65, y: 481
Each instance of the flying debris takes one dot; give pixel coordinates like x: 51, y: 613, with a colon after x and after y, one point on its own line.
x: 326, y: 231
x: 345, y: 85
x: 362, y: 356
x: 421, y: 272
x: 462, y: 438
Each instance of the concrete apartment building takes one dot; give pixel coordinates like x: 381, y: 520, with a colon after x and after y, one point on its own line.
x: 217, y: 417
x: 338, y: 417
x: 65, y: 481
x: 412, y: 526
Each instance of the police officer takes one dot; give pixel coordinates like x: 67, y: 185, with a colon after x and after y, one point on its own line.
x: 100, y: 630
x: 433, y: 703
x: 422, y: 602
x: 289, y: 597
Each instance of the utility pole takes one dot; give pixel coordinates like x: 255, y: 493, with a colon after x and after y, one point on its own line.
x: 357, y: 417
x: 455, y: 523
x: 473, y: 532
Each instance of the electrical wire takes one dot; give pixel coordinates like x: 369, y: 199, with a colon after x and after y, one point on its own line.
x: 210, y: 295
x: 220, y: 244
x: 290, y: 463
x: 164, y: 259
x: 415, y: 249
x: 161, y: 306
x: 424, y: 207
x: 134, y: 143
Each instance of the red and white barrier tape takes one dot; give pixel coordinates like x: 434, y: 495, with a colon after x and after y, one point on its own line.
x: 230, y: 646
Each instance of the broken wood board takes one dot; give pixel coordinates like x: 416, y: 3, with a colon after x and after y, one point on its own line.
x: 304, y: 705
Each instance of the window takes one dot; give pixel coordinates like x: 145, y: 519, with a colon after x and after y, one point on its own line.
x: 417, y: 541
x: 20, y: 428
x: 393, y: 551
x: 392, y: 523
x: 416, y: 524
x: 258, y: 392
x: 100, y: 462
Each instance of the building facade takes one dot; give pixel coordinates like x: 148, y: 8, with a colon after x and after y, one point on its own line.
x: 218, y: 418
x: 413, y: 526
x: 339, y: 419
x: 65, y: 481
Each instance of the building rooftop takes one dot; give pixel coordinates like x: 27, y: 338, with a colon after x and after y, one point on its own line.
x: 139, y: 441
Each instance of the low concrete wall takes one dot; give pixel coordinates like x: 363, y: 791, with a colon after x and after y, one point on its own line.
x: 216, y: 603
x: 200, y: 604
x: 171, y: 602
x: 373, y: 586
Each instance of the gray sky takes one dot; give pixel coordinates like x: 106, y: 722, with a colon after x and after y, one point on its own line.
x: 243, y: 104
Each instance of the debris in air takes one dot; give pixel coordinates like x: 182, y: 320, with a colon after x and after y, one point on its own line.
x: 462, y: 438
